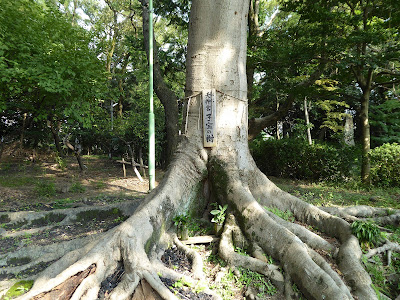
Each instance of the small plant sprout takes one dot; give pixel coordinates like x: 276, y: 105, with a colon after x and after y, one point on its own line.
x: 181, y: 222
x: 367, y: 233
x: 219, y: 214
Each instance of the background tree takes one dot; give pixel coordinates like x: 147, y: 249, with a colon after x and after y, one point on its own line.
x: 363, y: 38
x: 50, y: 75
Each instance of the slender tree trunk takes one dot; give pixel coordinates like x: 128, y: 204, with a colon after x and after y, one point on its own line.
x: 77, y: 152
x: 21, y: 139
x: 309, y: 139
x: 1, y: 146
x: 364, y: 79
x: 366, y: 138
x: 56, y: 138
x: 142, y: 170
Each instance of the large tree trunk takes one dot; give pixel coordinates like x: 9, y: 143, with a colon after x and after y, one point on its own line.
x: 216, y: 59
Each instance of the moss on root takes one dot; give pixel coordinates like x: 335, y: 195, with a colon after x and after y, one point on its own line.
x: 18, y: 261
x: 219, y: 179
x: 19, y: 288
x: 4, y: 219
x: 49, y: 219
x: 97, y: 214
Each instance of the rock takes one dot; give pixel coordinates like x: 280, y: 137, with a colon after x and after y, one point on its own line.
x: 64, y: 189
x: 219, y: 276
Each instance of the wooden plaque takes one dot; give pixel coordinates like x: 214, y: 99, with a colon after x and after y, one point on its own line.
x: 209, y: 118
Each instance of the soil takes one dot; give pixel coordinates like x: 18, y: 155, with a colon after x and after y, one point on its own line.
x: 23, y: 186
x: 177, y: 260
x: 101, y: 183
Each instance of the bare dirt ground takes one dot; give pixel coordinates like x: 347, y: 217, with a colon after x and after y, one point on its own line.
x: 25, y: 185
x: 37, y: 198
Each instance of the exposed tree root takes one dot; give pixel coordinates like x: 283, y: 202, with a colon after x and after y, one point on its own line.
x: 277, y: 241
x: 382, y: 216
x: 308, y: 237
x: 227, y: 252
x: 247, y: 192
x: 144, y: 291
x: 388, y: 246
x: 63, y: 216
x: 132, y: 241
x: 197, y: 262
x: 47, y: 253
x: 65, y: 290
x: 349, y: 255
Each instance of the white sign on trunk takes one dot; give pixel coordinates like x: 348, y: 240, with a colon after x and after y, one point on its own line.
x: 209, y: 115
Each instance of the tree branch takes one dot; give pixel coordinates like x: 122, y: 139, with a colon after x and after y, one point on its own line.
x: 258, y: 124
x: 387, y: 83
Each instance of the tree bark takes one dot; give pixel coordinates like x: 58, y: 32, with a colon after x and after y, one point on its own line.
x: 309, y: 139
x: 365, y: 82
x: 56, y: 138
x: 22, y: 135
x: 366, y: 138
x: 77, y: 153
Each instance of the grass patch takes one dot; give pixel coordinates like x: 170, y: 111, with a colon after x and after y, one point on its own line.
x: 379, y: 272
x: 98, y: 185
x: 14, y: 226
x: 285, y: 215
x: 343, y: 194
x: 45, y: 188
x: 14, y: 182
x: 77, y: 187
x: 63, y: 203
x: 4, y: 219
x: 258, y: 282
x: 5, y: 166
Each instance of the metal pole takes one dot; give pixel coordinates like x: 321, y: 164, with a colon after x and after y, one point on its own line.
x: 152, y: 159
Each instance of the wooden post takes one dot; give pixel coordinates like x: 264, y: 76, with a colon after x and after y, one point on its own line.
x: 123, y: 166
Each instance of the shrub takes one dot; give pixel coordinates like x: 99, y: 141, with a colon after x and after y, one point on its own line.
x: 385, y: 163
x: 295, y: 158
x: 77, y: 187
x: 45, y: 189
x: 62, y: 163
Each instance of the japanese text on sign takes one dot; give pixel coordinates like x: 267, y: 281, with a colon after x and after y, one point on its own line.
x: 209, y: 115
